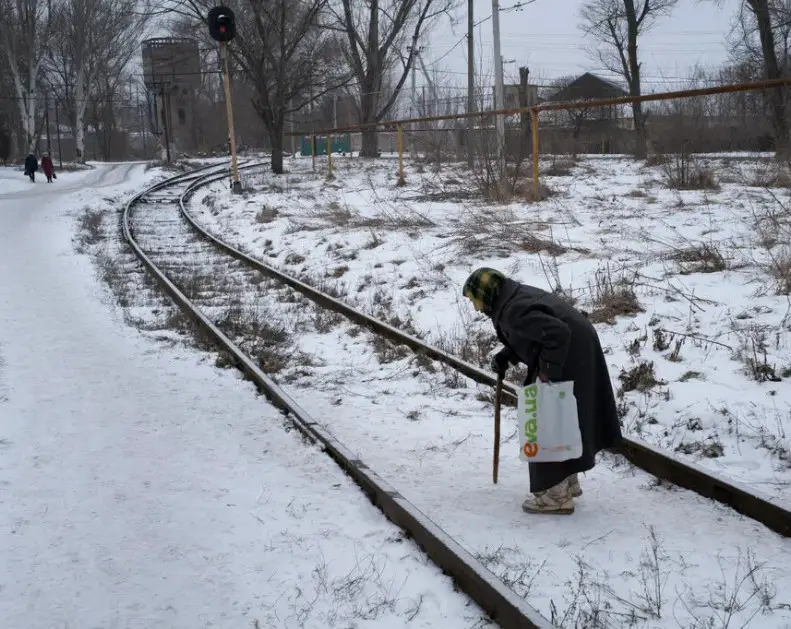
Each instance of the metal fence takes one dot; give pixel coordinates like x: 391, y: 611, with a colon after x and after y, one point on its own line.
x: 725, y: 118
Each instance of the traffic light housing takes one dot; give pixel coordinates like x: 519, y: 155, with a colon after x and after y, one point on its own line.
x: 222, y: 24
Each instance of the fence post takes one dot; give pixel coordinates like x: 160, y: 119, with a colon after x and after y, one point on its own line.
x: 534, y: 132
x: 329, y: 154
x: 400, y: 135
x: 313, y: 150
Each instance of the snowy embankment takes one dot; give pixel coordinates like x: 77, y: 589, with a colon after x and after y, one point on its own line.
x: 403, y: 254
x: 689, y: 288
x: 141, y: 486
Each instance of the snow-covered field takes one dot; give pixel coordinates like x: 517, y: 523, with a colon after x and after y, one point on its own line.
x: 635, y: 553
x: 140, y: 486
x: 710, y: 310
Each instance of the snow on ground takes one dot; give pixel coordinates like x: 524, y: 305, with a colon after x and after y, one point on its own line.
x: 711, y: 321
x: 636, y: 553
x: 12, y: 178
x: 140, y: 486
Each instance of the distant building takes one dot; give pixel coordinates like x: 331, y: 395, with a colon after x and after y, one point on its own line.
x: 589, y: 130
x: 587, y: 86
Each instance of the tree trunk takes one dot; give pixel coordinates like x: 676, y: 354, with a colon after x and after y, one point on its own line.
x: 640, y: 139
x: 763, y: 20
x: 80, y: 104
x: 370, y: 143
x: 370, y: 139
x: 276, y: 138
x: 632, y: 31
x: 371, y: 86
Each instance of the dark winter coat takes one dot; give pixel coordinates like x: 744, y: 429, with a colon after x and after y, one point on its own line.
x: 31, y: 164
x: 47, y: 166
x: 550, y: 336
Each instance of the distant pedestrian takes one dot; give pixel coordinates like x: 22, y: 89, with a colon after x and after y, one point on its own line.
x: 558, y: 344
x: 48, y: 167
x: 31, y: 166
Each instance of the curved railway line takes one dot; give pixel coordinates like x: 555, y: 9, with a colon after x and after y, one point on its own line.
x: 145, y: 220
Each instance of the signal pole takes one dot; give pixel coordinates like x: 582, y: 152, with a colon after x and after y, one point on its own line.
x: 222, y: 28
x: 236, y: 186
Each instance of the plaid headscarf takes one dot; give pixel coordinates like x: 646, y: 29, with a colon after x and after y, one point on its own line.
x: 483, y: 287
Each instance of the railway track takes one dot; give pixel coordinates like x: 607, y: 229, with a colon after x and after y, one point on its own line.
x: 171, y: 259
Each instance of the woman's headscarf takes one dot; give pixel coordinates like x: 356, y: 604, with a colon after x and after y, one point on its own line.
x: 483, y: 287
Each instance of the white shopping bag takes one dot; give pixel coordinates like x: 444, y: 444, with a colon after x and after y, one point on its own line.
x: 549, y: 430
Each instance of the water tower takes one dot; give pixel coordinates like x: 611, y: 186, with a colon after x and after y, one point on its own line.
x: 172, y: 76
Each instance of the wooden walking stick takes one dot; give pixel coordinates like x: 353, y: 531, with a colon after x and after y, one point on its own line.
x: 498, y: 398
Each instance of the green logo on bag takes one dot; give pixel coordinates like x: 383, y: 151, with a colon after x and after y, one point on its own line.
x: 530, y: 448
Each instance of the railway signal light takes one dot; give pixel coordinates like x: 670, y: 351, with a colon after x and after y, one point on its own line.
x: 222, y: 24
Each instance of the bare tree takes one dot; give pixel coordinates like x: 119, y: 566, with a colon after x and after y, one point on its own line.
x: 286, y: 55
x: 618, y: 24
x: 763, y: 38
x: 8, y: 114
x: 83, y: 59
x: 25, y: 31
x: 380, y: 35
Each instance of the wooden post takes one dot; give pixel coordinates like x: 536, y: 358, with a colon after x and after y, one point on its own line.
x: 534, y: 131
x: 236, y: 185
x: 400, y: 136
x: 524, y: 117
x: 313, y: 150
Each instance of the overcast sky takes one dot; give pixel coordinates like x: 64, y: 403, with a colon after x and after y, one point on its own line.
x: 545, y: 36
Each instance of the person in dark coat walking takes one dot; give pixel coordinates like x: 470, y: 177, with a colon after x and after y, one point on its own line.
x: 31, y: 166
x: 558, y: 343
x: 48, y: 167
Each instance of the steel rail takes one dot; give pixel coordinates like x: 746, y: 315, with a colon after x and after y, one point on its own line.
x: 657, y: 462
x: 471, y: 576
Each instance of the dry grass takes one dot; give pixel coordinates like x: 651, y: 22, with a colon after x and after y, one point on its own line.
x: 612, y: 298
x: 700, y: 258
x: 641, y: 377
x: 559, y: 168
x: 771, y: 225
x: 753, y: 352
x: 259, y: 335
x: 770, y: 175
x: 683, y: 171
x: 89, y: 230
x: 267, y: 215
x: 502, y: 231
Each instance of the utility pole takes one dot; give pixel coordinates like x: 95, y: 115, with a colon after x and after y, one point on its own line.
x: 498, y: 86
x: 470, y: 85
x: 524, y: 101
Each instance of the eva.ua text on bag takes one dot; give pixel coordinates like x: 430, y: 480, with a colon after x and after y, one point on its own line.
x: 548, y: 425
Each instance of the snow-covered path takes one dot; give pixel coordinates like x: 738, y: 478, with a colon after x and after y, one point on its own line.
x: 140, y: 488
